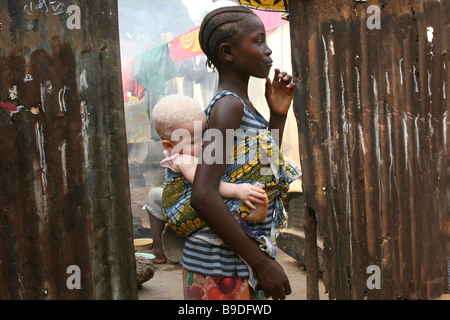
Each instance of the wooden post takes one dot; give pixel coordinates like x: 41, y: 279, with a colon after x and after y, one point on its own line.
x: 312, y: 258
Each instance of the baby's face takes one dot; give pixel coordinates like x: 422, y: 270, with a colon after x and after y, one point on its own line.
x: 187, y: 137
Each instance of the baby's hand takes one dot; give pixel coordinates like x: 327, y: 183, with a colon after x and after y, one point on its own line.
x: 259, y: 214
x: 256, y: 199
x: 251, y: 194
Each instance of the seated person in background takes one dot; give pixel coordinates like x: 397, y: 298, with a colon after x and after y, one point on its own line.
x: 157, y: 222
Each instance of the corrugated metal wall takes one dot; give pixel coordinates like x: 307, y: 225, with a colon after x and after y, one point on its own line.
x: 372, y: 110
x: 64, y: 189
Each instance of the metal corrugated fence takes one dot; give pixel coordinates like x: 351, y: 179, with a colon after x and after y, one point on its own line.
x: 372, y: 110
x: 65, y: 216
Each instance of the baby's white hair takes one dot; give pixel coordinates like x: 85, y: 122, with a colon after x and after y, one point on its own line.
x: 172, y: 110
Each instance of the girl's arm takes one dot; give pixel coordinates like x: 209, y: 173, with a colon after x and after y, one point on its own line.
x: 279, y: 94
x: 206, y: 200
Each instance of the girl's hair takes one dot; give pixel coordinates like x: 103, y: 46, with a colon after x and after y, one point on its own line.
x: 172, y: 110
x: 218, y: 26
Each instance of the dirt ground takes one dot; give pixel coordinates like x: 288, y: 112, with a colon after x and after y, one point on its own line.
x: 166, y: 284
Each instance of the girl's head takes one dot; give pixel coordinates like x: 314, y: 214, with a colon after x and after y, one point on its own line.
x: 180, y: 122
x: 229, y: 28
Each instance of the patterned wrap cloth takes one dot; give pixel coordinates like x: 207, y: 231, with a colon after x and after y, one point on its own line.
x: 254, y: 159
x: 270, y: 5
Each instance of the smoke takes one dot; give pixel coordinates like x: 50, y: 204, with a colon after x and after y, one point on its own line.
x: 146, y: 24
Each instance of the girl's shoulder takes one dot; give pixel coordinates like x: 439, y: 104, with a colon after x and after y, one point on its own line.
x: 250, y: 118
x: 220, y: 95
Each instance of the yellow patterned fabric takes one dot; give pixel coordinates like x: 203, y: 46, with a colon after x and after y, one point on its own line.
x: 255, y: 159
x: 272, y: 5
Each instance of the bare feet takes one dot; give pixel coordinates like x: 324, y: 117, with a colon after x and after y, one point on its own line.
x: 160, y: 260
x: 160, y: 257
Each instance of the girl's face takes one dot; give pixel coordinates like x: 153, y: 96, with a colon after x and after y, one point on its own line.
x: 251, y: 53
x: 187, y: 138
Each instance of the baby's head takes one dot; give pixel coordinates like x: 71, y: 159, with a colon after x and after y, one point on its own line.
x: 180, y: 122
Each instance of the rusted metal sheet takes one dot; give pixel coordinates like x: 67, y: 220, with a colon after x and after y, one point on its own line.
x: 65, y: 215
x: 372, y: 111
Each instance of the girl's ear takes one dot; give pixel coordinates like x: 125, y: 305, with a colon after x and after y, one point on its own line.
x: 226, y: 52
x: 168, y: 145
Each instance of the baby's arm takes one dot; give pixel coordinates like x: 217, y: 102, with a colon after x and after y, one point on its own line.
x: 186, y: 165
x: 243, y: 191
x: 254, y: 197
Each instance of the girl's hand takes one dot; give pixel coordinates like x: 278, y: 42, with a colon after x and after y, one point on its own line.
x: 279, y: 93
x: 272, y: 279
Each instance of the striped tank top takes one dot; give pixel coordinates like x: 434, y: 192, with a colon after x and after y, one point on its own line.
x: 206, y: 258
